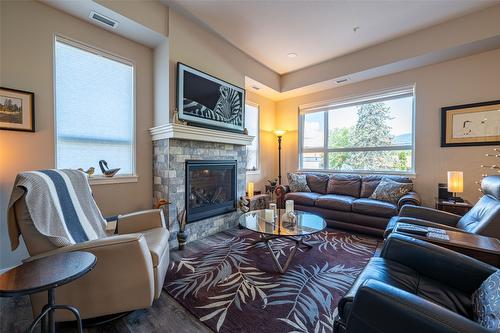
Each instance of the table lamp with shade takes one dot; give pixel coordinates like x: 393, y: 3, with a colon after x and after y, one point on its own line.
x: 279, y: 133
x: 456, y: 184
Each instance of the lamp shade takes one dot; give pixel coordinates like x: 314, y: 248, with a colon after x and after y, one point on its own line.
x: 455, y: 181
x: 279, y: 132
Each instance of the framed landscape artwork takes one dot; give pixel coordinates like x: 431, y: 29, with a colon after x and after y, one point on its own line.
x: 471, y: 124
x: 17, y: 110
x: 207, y: 101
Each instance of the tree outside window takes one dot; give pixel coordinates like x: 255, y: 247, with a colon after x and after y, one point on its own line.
x: 374, y: 134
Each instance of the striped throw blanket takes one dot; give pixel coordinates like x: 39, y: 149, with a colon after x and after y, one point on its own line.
x: 60, y: 204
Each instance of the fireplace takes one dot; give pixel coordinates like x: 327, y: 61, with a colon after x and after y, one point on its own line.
x: 210, y: 188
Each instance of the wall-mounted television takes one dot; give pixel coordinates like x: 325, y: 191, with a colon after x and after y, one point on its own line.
x: 204, y: 100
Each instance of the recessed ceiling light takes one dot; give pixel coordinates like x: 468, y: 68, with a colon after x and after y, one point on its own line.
x: 292, y: 55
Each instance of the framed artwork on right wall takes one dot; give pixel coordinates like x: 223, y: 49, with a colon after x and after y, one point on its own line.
x: 475, y: 124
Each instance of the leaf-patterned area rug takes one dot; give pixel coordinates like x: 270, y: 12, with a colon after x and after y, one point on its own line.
x: 233, y: 286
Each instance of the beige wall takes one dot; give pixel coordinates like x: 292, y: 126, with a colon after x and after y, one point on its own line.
x: 151, y: 14
x: 466, y: 80
x: 447, y: 39
x: 197, y: 47
x: 27, y: 34
x: 268, y: 143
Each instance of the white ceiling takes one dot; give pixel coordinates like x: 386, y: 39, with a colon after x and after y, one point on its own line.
x: 317, y: 30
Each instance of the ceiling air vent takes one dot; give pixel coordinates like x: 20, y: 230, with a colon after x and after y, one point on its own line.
x: 344, y: 80
x: 103, y: 20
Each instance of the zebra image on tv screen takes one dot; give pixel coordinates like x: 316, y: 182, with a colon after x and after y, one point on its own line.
x: 209, y: 101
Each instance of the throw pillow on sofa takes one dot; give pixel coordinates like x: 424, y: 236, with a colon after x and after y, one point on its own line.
x: 486, y: 302
x: 344, y: 185
x: 390, y: 191
x: 317, y: 182
x: 297, y: 183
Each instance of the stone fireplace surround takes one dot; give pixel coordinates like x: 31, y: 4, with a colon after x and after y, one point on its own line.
x: 169, y: 156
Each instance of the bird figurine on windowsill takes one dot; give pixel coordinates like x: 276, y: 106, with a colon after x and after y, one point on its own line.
x: 107, y: 171
x: 90, y: 171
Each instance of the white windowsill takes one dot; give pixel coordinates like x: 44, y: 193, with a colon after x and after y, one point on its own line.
x: 410, y: 174
x: 102, y: 180
x: 253, y: 172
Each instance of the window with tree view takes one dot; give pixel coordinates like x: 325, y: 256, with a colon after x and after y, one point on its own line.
x: 371, y: 134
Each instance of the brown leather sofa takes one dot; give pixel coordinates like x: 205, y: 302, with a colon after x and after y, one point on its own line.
x: 129, y: 272
x: 343, y: 201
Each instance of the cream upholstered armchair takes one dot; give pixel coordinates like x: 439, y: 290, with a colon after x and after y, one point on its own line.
x: 130, y: 269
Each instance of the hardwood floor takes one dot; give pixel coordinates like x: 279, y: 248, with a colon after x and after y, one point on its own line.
x: 166, y: 315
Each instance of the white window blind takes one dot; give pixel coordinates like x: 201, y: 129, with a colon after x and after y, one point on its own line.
x: 252, y: 125
x: 94, y: 93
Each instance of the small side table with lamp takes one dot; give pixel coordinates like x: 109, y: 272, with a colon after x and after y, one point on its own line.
x: 456, y: 185
x: 454, y: 204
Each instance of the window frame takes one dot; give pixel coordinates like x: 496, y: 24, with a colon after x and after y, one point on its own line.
x: 377, y: 96
x: 99, y: 179
x: 256, y: 171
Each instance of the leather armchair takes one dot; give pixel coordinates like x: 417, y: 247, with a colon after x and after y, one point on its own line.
x: 130, y: 269
x: 413, y: 287
x: 482, y: 219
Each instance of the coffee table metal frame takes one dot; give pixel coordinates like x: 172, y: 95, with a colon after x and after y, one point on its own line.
x: 298, y: 240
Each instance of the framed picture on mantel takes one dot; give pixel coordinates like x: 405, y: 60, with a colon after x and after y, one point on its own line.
x: 206, y: 101
x: 471, y: 124
x: 17, y: 110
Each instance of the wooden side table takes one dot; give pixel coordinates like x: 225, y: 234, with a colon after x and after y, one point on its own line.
x: 485, y: 249
x: 46, y: 274
x: 459, y: 208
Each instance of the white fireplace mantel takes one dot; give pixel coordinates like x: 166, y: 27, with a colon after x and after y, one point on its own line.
x: 185, y: 132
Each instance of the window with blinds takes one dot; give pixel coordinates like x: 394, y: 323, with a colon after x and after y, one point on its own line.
x: 252, y: 125
x: 95, y: 113
x: 371, y: 133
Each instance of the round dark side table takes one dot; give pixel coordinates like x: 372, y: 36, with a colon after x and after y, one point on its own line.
x: 46, y: 274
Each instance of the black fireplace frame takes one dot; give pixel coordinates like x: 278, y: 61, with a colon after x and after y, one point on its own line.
x: 193, y: 215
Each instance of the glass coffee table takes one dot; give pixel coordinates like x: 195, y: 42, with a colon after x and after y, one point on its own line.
x: 305, y: 224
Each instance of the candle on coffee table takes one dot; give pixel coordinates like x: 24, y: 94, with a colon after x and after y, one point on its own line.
x: 274, y: 208
x: 289, y: 206
x: 250, y: 187
x: 269, y: 215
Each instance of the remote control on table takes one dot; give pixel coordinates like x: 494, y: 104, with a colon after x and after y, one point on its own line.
x: 412, y: 229
x: 436, y: 230
x: 434, y: 235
